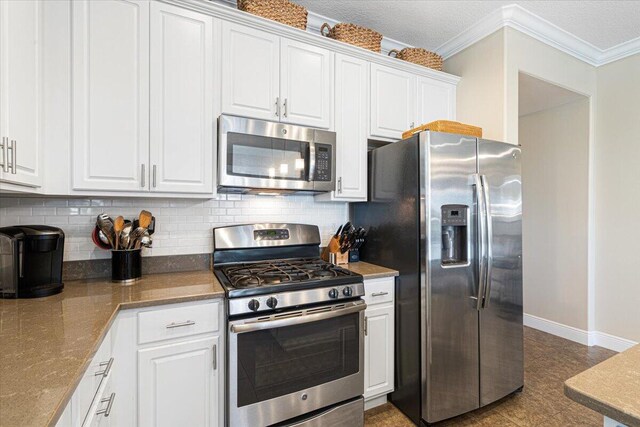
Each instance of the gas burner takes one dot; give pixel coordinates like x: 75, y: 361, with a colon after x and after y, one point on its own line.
x: 278, y: 272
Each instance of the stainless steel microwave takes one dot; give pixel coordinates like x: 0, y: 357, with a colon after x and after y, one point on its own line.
x: 258, y: 156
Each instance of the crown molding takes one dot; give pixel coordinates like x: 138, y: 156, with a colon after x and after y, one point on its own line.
x: 519, y: 18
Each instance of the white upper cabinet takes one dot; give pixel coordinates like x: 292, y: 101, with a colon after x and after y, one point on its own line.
x: 305, y: 84
x: 110, y: 94
x: 393, y: 101
x: 21, y: 92
x: 272, y: 78
x: 182, y: 98
x: 250, y: 72
x: 351, y: 103
x: 436, y: 101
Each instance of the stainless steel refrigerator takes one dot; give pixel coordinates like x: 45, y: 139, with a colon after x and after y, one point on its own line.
x: 445, y: 211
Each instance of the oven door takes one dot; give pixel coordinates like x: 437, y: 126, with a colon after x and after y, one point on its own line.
x: 292, y: 363
x: 261, y: 155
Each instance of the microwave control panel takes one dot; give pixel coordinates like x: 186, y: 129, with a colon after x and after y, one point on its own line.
x: 323, y: 162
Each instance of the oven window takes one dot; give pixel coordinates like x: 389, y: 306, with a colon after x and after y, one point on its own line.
x: 276, y: 362
x: 264, y: 157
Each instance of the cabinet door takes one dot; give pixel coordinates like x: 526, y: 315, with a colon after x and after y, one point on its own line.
x: 182, y: 96
x: 110, y: 94
x: 378, y: 351
x: 178, y: 384
x: 305, y: 84
x: 351, y: 102
x: 436, y: 101
x: 250, y: 72
x: 21, y: 91
x: 392, y: 101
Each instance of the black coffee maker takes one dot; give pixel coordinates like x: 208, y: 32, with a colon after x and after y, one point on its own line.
x: 30, y: 261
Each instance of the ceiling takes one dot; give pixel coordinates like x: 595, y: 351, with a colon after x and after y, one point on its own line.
x: 536, y: 95
x: 429, y: 24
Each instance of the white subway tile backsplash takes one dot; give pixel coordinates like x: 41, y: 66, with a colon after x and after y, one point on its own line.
x: 183, y: 226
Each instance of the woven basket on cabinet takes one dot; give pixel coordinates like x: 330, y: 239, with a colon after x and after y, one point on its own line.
x: 282, y: 11
x: 353, y: 34
x: 419, y: 56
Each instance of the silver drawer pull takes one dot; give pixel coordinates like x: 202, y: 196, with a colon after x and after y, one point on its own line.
x: 106, y: 411
x: 180, y: 324
x: 379, y: 294
x: 106, y: 370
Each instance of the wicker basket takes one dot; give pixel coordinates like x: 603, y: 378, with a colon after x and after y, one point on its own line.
x: 419, y: 56
x: 282, y: 11
x: 447, y: 126
x: 353, y: 34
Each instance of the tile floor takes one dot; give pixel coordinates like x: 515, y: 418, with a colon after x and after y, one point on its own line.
x: 549, y: 361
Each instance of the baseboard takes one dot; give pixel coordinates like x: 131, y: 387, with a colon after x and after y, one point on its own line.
x: 375, y: 401
x: 557, y: 329
x: 581, y: 336
x: 610, y: 341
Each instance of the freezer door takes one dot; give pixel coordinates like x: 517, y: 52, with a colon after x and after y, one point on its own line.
x: 450, y: 365
x: 501, y: 346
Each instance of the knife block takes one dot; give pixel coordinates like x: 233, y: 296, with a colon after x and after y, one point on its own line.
x: 340, y: 258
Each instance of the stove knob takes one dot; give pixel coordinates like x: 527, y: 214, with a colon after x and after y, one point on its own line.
x: 254, y: 304
x: 272, y: 302
x: 347, y: 291
x: 333, y: 293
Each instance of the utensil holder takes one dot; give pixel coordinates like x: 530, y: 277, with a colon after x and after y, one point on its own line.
x: 126, y: 266
x: 340, y: 258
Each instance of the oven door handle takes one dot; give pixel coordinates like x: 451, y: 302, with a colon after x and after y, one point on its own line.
x: 297, y: 319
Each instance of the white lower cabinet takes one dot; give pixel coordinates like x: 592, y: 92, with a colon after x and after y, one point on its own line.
x: 157, y: 366
x: 379, y: 340
x: 177, y: 384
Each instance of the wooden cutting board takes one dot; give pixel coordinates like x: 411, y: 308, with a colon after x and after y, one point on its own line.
x: 447, y: 126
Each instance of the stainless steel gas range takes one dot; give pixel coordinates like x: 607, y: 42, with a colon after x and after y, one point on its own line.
x: 296, y: 329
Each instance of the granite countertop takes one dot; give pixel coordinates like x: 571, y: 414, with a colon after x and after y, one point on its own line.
x: 370, y: 271
x: 47, y: 343
x: 611, y: 387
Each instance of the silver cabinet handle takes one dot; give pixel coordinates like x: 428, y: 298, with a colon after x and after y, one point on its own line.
x: 14, y: 156
x: 107, y: 411
x: 340, y: 185
x: 142, y: 175
x: 154, y: 176
x: 5, y: 158
x: 366, y: 324
x: 277, y: 106
x: 285, y: 107
x: 180, y: 324
x: 215, y: 357
x: 106, y: 370
x: 379, y: 294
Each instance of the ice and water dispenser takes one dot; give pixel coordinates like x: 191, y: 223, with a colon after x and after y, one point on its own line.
x: 454, y: 235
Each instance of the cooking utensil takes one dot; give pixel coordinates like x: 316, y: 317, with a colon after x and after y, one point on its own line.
x: 97, y: 240
x: 145, y: 219
x: 126, y: 234
x: 118, y: 226
x: 105, y: 224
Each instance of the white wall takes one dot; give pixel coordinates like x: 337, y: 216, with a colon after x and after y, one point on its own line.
x: 617, y: 168
x: 554, y: 236
x: 183, y: 226
x: 480, y: 93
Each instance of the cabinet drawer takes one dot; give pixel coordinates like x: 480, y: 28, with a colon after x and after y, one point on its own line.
x: 98, y: 370
x: 178, y: 321
x: 103, y: 404
x: 379, y: 291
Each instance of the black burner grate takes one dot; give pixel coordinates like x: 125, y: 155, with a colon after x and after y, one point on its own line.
x: 252, y: 275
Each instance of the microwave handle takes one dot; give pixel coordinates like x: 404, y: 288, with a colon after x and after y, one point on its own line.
x: 312, y: 161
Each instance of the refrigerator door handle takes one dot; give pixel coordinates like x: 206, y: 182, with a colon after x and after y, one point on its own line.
x: 489, y: 241
x: 482, y: 243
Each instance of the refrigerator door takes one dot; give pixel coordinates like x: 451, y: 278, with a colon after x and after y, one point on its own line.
x: 501, y: 345
x: 449, y: 316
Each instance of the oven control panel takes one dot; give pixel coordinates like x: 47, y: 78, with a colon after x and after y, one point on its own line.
x: 323, y: 162
x: 295, y: 299
x: 271, y: 234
